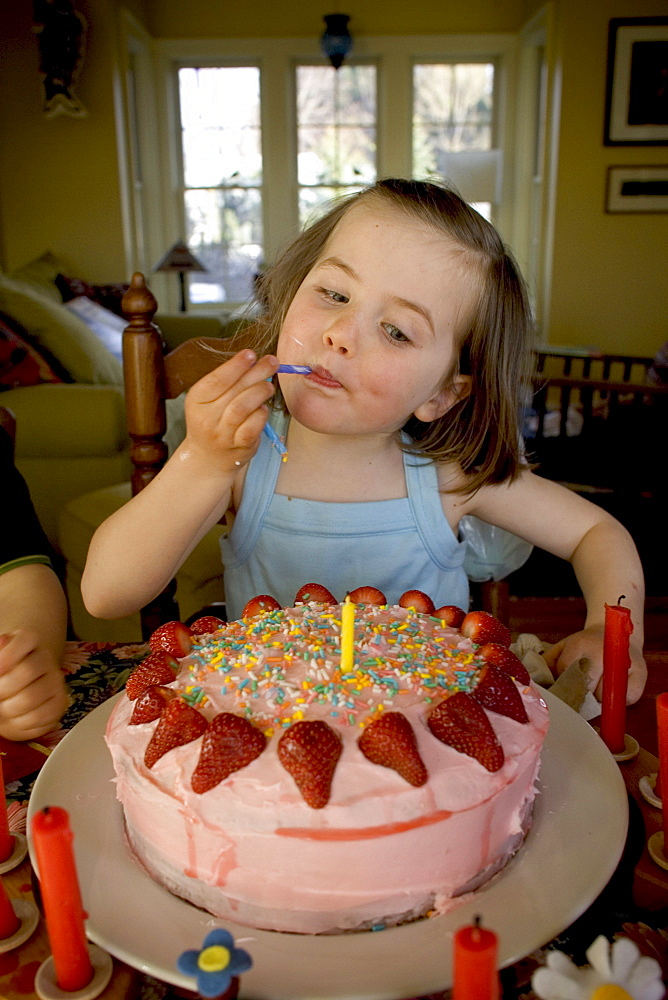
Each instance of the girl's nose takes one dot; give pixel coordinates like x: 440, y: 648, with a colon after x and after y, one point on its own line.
x: 341, y: 336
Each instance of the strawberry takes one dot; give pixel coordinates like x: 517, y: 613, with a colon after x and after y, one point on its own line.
x: 461, y: 722
x: 179, y: 723
x: 150, y: 705
x: 505, y: 659
x: 418, y: 600
x: 390, y: 741
x: 229, y: 744
x: 450, y: 615
x: 310, y: 751
x: 156, y: 668
x: 258, y: 605
x: 368, y: 595
x: 206, y: 625
x: 314, y: 592
x: 496, y: 691
x: 481, y: 627
x: 175, y: 637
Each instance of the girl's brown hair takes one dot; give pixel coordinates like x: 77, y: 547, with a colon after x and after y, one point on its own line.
x: 481, y: 432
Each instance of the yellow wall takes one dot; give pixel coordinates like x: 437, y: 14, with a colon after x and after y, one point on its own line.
x: 59, y: 186
x: 610, y: 272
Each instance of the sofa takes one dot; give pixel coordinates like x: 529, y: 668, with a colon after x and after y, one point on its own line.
x: 61, y: 375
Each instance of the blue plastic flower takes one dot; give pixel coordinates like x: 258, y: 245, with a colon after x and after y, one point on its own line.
x: 216, y: 964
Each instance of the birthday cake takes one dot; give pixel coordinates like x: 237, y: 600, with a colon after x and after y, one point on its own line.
x: 274, y: 781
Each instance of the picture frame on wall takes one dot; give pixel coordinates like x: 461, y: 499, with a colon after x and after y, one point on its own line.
x: 636, y: 111
x: 637, y: 189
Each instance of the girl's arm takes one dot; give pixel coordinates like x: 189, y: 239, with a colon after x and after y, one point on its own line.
x: 600, y: 550
x: 137, y: 551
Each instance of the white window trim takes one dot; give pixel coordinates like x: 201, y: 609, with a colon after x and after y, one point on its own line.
x: 276, y: 57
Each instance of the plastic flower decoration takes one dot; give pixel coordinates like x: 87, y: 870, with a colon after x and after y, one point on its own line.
x: 216, y: 964
x: 615, y: 972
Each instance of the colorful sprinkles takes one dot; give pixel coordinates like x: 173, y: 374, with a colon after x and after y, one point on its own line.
x: 274, y: 666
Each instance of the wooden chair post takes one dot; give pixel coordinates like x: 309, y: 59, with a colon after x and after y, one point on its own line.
x: 146, y: 417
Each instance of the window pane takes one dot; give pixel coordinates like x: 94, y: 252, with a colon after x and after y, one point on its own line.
x: 224, y: 231
x: 336, y: 132
x: 452, y: 112
x: 222, y: 174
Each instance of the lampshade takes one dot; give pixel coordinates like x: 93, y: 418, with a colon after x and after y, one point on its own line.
x: 336, y: 42
x: 179, y: 258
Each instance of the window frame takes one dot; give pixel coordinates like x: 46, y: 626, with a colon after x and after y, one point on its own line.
x: 394, y: 57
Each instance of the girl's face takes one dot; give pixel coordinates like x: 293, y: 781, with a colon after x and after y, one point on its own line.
x: 376, y: 320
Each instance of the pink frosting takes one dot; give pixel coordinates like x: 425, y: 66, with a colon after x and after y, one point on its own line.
x: 382, y: 850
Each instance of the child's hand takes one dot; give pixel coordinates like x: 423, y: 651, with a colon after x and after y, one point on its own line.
x: 226, y: 412
x: 589, y: 643
x: 33, y: 696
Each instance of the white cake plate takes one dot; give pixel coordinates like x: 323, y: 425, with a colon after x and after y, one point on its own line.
x: 577, y: 838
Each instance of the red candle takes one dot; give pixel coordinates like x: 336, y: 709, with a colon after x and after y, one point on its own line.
x: 662, y: 726
x: 6, y: 839
x: 475, y: 973
x: 61, y: 897
x: 9, y: 922
x: 616, y: 664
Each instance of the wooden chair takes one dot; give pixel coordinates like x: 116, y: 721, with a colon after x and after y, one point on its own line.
x: 152, y: 377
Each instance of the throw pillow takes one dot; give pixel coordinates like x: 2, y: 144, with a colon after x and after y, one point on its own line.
x: 20, y: 363
x: 108, y: 296
x: 106, y: 325
x: 65, y: 336
x: 41, y: 273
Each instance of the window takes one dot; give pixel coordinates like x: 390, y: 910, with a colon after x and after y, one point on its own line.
x: 336, y: 133
x: 222, y: 178
x: 256, y: 135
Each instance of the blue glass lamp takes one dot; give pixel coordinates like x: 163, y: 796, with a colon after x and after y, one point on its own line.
x: 336, y: 41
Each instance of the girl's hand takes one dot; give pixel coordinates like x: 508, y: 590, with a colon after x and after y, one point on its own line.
x: 589, y: 643
x: 33, y: 696
x: 226, y: 412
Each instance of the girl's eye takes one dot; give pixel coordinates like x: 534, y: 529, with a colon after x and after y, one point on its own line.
x: 334, y: 296
x: 395, y: 334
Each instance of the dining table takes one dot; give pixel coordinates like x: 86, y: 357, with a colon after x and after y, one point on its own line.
x: 633, y: 904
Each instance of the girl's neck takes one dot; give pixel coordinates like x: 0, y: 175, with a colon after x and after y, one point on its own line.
x: 341, y: 468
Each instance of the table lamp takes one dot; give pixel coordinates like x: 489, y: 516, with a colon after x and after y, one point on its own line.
x: 179, y: 259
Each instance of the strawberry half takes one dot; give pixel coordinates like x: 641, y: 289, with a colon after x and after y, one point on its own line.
x: 314, y: 592
x: 450, y: 615
x: 174, y: 637
x: 206, y: 624
x: 150, y: 705
x: 229, y: 744
x: 367, y: 595
x: 179, y: 723
x: 419, y: 600
x: 309, y: 751
x: 390, y: 741
x: 258, y: 605
x: 506, y: 660
x: 496, y: 691
x: 156, y: 668
x: 481, y: 627
x: 461, y: 722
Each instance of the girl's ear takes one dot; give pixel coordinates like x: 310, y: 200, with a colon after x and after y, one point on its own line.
x: 457, y: 389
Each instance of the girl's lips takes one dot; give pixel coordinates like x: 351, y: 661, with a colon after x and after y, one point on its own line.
x: 323, y: 377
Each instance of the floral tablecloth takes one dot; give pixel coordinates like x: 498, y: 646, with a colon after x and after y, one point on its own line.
x: 97, y: 671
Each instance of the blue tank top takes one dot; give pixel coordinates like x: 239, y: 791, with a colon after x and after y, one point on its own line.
x: 278, y: 543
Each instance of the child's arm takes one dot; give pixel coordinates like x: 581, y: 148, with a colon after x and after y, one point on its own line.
x: 33, y: 623
x: 137, y: 551
x: 600, y: 550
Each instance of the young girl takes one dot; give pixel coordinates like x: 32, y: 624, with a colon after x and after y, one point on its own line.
x: 414, y: 321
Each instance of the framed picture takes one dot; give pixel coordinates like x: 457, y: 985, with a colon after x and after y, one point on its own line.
x: 636, y: 111
x: 637, y: 189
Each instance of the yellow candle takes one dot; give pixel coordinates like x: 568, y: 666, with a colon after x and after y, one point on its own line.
x: 347, y: 633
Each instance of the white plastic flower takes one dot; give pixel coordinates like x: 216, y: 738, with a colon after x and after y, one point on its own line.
x: 616, y: 972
